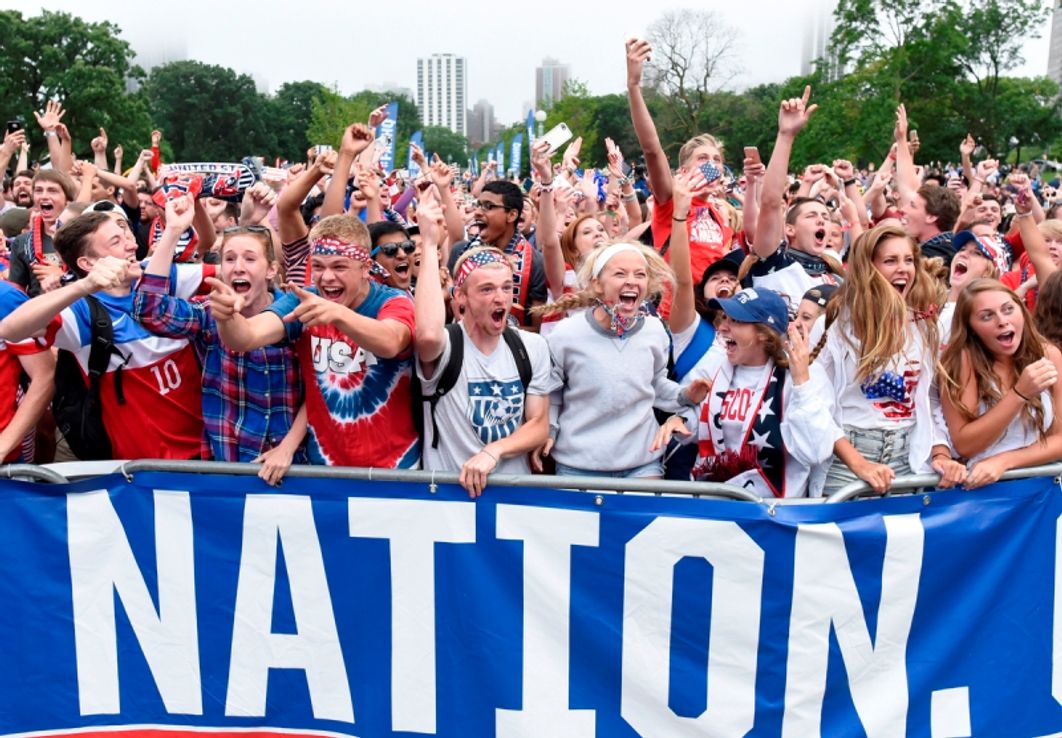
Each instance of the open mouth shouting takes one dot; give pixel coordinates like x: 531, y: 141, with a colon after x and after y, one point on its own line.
x: 334, y: 294
x: 1008, y: 340
x: 498, y: 317
x: 820, y: 238
x: 401, y: 269
x: 628, y: 300
x: 241, y: 286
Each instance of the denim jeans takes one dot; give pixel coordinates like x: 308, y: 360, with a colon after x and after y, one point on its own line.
x: 889, y: 447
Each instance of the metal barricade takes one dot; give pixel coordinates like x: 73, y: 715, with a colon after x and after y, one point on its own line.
x: 31, y: 473
x: 914, y: 482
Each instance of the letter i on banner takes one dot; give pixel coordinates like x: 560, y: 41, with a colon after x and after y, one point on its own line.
x: 385, y: 137
x: 416, y: 139
x: 530, y: 129
x: 515, y: 150
x: 499, y: 156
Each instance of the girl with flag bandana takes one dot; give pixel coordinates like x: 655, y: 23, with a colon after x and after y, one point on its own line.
x: 611, y: 362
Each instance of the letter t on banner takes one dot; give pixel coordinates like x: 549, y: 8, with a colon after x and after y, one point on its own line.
x: 548, y: 535
x: 413, y: 527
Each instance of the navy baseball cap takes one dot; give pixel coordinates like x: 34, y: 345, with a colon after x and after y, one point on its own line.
x: 755, y: 306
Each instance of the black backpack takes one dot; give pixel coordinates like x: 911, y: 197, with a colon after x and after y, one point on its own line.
x: 77, y: 408
x: 452, y: 370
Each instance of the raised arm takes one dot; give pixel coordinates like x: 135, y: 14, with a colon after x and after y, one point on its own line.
x: 153, y: 306
x: 455, y: 226
x: 628, y: 196
x: 356, y: 139
x: 793, y: 115
x: 99, y: 151
x: 846, y: 171
x: 49, y: 123
x: 12, y: 145
x: 429, y: 305
x: 1031, y: 238
x: 547, y: 237
x: 657, y: 168
x: 683, y: 308
x: 966, y: 149
x: 753, y: 171
x: 289, y: 219
x: 907, y: 183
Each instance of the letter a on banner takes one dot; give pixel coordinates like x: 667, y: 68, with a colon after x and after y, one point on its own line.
x: 284, y: 520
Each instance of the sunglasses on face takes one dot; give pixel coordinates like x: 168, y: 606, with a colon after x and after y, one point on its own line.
x: 390, y: 250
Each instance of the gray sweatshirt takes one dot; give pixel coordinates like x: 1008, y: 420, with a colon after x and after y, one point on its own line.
x: 602, y: 416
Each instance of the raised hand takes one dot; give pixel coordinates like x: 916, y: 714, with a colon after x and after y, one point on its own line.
x: 313, y: 309
x: 368, y: 184
x: 794, y: 113
x: 13, y: 142
x: 684, y: 186
x: 417, y: 155
x: 813, y: 173
x: 441, y: 174
x: 899, y: 132
x: 378, y: 116
x: 844, y: 169
x: 986, y: 168
x: 179, y: 213
x: 540, y: 161
x: 258, y: 200
x: 1023, y: 200
x: 615, y: 159
x: 799, y: 354
x: 570, y: 160
x: 430, y: 220
x: 356, y: 138
x: 326, y: 162
x: 156, y: 138
x: 225, y: 304
x: 638, y: 54
x: 146, y: 156
x: 966, y: 148
x: 99, y: 143
x: 118, y: 154
x: 53, y: 115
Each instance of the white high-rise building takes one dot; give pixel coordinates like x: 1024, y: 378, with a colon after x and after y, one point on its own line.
x: 1054, y: 56
x: 818, y: 27
x: 442, y: 91
x: 550, y: 78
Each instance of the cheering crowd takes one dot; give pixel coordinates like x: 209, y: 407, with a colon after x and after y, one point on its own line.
x: 785, y: 333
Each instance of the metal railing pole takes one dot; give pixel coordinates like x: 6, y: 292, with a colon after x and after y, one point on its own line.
x: 919, y: 481
x: 31, y: 472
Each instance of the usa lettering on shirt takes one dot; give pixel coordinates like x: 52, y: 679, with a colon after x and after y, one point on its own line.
x: 338, y: 356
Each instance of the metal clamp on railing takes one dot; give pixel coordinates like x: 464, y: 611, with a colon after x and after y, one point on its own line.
x: 913, y: 482
x: 653, y: 486
x: 31, y: 473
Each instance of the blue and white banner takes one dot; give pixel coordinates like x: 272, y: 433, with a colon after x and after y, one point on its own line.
x: 386, y: 133
x: 192, y: 603
x: 417, y: 139
x: 499, y: 156
x: 530, y: 127
x: 514, y: 153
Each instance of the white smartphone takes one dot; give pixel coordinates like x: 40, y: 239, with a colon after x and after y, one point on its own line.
x: 557, y: 136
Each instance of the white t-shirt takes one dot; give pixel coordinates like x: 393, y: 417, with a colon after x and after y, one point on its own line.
x: 746, y: 389
x: 486, y: 403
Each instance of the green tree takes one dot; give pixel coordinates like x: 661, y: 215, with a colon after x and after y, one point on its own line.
x: 332, y: 113
x: 209, y: 113
x: 84, y: 65
x: 451, y: 147
x: 290, y: 112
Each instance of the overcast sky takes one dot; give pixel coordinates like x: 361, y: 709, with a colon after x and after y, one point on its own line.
x: 359, y: 44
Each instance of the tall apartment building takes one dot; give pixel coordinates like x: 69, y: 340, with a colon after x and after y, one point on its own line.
x: 442, y: 91
x: 1054, y: 56
x: 549, y: 82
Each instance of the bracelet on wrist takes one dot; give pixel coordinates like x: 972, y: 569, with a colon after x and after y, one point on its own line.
x: 850, y: 182
x: 51, y: 134
x: 1019, y: 394
x: 942, y: 455
x: 1023, y: 215
x: 678, y: 220
x: 629, y: 196
x: 488, y: 453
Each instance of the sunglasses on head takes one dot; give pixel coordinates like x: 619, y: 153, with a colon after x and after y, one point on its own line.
x: 390, y: 250
x: 240, y: 230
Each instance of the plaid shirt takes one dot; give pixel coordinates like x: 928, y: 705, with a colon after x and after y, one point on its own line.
x: 249, y: 399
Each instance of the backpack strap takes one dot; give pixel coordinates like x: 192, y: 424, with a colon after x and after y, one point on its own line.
x: 449, y: 375
x: 101, y: 347
x: 523, y: 362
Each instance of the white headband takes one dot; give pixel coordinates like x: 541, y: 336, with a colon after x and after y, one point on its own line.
x: 608, y: 253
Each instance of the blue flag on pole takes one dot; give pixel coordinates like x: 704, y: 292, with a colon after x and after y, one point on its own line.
x: 530, y: 127
x: 514, y: 152
x: 499, y: 156
x: 386, y: 133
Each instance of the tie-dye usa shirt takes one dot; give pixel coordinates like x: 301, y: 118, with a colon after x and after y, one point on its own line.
x: 358, y: 405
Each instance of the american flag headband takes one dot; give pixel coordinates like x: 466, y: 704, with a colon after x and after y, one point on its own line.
x: 477, y: 260
x: 330, y: 246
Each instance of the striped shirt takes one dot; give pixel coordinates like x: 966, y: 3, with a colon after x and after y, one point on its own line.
x: 249, y: 399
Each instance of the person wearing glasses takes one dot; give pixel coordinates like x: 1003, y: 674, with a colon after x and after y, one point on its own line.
x: 251, y: 399
x: 394, y: 250
x: 497, y: 218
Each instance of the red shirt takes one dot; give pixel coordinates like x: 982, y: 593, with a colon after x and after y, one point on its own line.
x: 710, y: 238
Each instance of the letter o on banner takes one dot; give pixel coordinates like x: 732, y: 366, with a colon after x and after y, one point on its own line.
x: 737, y: 585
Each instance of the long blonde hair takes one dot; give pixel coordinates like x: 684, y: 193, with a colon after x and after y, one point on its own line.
x: 876, y: 312
x: 966, y: 342
x: 659, y: 273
